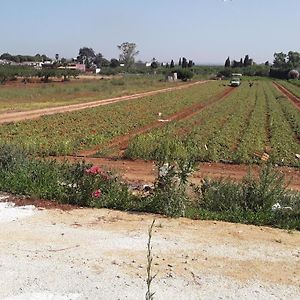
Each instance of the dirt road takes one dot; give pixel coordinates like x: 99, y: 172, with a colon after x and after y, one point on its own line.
x: 101, y: 254
x: 145, y: 171
x: 34, y: 114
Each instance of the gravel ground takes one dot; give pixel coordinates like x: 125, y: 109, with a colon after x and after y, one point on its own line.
x: 101, y: 254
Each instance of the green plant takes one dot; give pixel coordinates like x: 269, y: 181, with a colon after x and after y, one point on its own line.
x: 262, y: 201
x: 79, y: 184
x: 169, y: 196
x: 150, y: 277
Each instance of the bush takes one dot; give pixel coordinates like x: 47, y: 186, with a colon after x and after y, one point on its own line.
x: 79, y: 184
x: 184, y: 74
x: 252, y: 201
x: 265, y: 201
x: 169, y: 196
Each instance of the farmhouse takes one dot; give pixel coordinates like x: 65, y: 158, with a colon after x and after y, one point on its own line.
x: 76, y: 66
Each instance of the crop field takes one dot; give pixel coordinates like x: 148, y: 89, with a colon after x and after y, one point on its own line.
x: 292, y: 86
x: 67, y: 133
x: 236, y: 127
x: 239, y: 129
x: 43, y: 95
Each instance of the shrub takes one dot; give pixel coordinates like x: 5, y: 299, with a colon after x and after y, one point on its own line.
x: 184, y: 74
x: 79, y: 184
x: 251, y: 201
x: 265, y: 201
x: 169, y: 196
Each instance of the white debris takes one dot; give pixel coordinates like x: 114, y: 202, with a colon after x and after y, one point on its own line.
x: 70, y: 185
x: 297, y: 155
x: 276, y: 206
x: 163, y: 170
x: 162, y: 120
x: 9, y: 212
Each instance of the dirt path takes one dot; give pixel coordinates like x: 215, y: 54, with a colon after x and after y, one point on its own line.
x: 33, y: 114
x: 120, y: 143
x: 294, y: 99
x: 101, y: 254
x: 145, y: 171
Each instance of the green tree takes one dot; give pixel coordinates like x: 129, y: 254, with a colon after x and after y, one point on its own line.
x: 293, y: 58
x: 6, y: 56
x: 86, y: 56
x: 241, y: 64
x: 114, y: 63
x: 154, y: 64
x: 180, y: 62
x: 280, y: 60
x: 63, y: 61
x: 184, y: 63
x: 246, y: 61
x: 100, y: 61
x: 184, y: 74
x: 172, y: 65
x: 227, y: 62
x: 128, y: 53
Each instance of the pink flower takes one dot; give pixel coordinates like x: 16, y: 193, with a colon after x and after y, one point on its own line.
x: 96, y: 194
x: 94, y: 170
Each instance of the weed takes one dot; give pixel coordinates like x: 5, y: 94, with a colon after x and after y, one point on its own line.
x: 150, y: 277
x: 262, y: 201
x: 251, y: 201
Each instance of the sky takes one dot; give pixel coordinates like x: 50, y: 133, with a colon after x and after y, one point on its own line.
x: 206, y: 31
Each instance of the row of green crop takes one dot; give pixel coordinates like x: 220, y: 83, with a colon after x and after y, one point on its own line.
x: 222, y: 145
x: 195, y: 131
x: 70, y: 132
x: 211, y: 134
x: 237, y: 129
x: 283, y: 143
x: 292, y: 86
x: 255, y: 137
x: 291, y: 114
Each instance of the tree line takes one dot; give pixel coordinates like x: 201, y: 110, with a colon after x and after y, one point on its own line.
x: 10, y: 73
x: 281, y: 67
x: 284, y: 64
x: 24, y: 58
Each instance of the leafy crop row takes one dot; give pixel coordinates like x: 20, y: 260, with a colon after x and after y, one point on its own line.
x: 239, y: 129
x: 70, y: 132
x: 255, y: 137
x: 283, y: 143
x: 196, y: 131
x: 293, y: 87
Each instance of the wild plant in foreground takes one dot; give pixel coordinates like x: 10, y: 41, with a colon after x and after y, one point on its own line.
x: 150, y: 277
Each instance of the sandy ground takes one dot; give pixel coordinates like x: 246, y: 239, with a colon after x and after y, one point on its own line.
x: 101, y: 254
